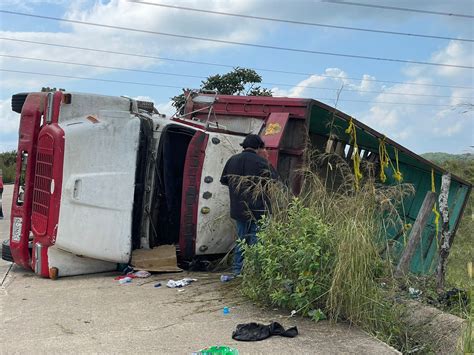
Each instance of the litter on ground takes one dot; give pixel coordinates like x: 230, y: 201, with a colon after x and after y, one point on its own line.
x: 125, y: 280
x: 179, y: 283
x: 226, y: 278
x: 414, y: 293
x: 142, y: 274
x: 256, y: 331
x: 217, y: 350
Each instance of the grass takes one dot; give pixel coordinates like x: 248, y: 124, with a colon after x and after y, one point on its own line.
x: 462, y: 251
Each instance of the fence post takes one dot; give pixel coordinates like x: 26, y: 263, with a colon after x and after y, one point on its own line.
x: 445, y: 241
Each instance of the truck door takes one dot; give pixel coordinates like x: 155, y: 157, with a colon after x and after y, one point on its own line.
x: 190, y: 195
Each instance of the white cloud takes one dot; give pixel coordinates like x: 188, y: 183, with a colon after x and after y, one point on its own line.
x: 367, y: 83
x: 166, y: 108
x: 124, y: 14
x: 455, y: 53
x: 449, y: 131
x: 382, y: 118
x: 329, y: 82
x: 28, y: 5
x: 9, y: 123
x: 422, y: 126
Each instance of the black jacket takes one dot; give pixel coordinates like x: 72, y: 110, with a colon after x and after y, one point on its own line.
x: 244, y: 206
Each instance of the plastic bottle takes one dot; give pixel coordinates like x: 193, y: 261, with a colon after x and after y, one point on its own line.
x: 125, y: 280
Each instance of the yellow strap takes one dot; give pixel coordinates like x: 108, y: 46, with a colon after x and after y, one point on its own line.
x: 351, y: 131
x: 435, y: 209
x: 384, y: 158
x: 385, y: 161
x: 397, y: 175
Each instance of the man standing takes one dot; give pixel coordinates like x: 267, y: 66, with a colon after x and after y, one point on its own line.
x: 246, y: 208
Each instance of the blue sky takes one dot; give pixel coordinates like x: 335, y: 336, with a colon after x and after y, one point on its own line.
x: 421, y: 117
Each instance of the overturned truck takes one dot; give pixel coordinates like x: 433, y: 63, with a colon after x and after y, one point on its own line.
x: 99, y: 177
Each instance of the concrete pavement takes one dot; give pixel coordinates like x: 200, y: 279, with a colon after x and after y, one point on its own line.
x: 94, y: 314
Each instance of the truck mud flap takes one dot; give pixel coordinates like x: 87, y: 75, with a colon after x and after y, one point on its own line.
x: 190, y: 197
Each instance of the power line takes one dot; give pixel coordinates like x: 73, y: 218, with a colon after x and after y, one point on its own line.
x: 202, y: 77
x: 244, y: 44
x: 295, y: 22
x: 103, y: 66
x: 178, y: 87
x: 337, y: 2
x: 230, y: 66
x: 86, y: 78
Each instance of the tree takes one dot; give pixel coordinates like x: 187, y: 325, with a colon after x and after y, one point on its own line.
x: 7, y: 166
x: 240, y: 81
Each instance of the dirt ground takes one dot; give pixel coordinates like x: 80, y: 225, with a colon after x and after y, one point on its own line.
x: 95, y: 314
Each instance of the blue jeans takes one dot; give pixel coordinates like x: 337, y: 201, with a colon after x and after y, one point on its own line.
x: 246, y: 230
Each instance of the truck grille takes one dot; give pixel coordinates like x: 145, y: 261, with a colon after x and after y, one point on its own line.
x: 42, y: 187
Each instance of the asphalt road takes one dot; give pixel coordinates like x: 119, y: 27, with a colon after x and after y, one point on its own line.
x: 95, y: 314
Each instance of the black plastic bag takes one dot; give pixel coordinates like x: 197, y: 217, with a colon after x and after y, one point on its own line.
x: 257, y: 331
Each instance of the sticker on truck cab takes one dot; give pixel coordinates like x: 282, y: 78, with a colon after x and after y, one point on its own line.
x: 16, y: 229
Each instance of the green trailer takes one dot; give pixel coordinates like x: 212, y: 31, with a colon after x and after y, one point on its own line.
x: 425, y: 176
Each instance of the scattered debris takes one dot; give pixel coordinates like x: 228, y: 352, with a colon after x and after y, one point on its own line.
x: 416, y: 349
x: 226, y: 310
x: 217, y: 350
x: 256, y: 331
x: 180, y: 283
x: 142, y: 274
x: 293, y: 312
x: 125, y: 280
x: 121, y: 277
x: 453, y: 296
x: 226, y: 278
x: 157, y: 285
x: 414, y: 293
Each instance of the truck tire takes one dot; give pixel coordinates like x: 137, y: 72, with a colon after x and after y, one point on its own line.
x: 18, y: 100
x: 6, y: 252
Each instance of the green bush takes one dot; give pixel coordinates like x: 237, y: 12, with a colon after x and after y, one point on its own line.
x: 291, y: 265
